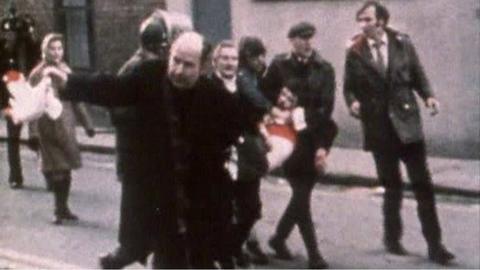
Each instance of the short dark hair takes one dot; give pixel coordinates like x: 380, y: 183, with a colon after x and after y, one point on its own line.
x: 381, y: 12
x: 250, y: 46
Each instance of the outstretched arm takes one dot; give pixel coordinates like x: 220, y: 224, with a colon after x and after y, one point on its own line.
x: 100, y: 89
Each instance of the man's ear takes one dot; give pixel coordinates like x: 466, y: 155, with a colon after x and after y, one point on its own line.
x: 380, y: 23
x: 206, y: 67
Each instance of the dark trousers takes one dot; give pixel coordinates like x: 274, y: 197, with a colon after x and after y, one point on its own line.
x: 61, y: 182
x: 209, y: 222
x: 149, y: 223
x: 298, y: 212
x: 136, y: 219
x: 388, y: 168
x: 13, y: 148
x: 247, y: 210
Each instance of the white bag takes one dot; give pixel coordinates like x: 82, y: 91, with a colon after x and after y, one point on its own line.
x: 30, y: 103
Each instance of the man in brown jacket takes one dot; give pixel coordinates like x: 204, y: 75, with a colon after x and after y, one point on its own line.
x: 382, y: 72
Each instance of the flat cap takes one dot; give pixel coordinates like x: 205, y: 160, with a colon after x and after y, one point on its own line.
x: 302, y: 29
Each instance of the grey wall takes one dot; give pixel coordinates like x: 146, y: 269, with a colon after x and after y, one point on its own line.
x: 447, y: 37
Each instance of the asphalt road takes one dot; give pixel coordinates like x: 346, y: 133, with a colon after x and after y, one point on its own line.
x: 348, y: 222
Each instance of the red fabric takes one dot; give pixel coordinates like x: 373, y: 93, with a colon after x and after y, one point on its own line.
x: 11, y: 76
x: 282, y: 130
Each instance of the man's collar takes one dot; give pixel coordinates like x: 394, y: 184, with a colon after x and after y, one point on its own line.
x: 234, y: 78
x: 229, y: 83
x: 383, y: 39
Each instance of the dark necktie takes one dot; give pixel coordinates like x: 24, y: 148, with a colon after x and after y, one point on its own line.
x: 380, y: 60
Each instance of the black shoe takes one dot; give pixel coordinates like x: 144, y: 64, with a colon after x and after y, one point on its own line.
x: 317, y: 263
x: 16, y: 185
x: 242, y: 260
x: 226, y: 263
x: 440, y: 255
x: 396, y: 248
x: 49, y: 186
x: 57, y: 220
x: 68, y: 215
x: 115, y: 260
x: 281, y: 249
x: 257, y: 255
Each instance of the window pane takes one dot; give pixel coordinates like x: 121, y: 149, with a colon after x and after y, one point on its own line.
x: 74, y: 3
x: 77, y: 38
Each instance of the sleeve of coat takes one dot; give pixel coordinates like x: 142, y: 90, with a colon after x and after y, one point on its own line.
x: 419, y: 78
x: 257, y: 102
x: 325, y: 130
x: 3, y: 95
x: 104, y: 89
x: 271, y: 83
x: 349, y: 82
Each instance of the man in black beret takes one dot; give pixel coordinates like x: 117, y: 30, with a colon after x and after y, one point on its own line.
x: 312, y: 80
x: 303, y: 30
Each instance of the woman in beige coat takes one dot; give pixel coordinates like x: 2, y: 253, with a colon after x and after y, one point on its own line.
x: 59, y: 149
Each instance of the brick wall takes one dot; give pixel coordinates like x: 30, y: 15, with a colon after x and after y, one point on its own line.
x: 115, y: 31
x: 115, y: 26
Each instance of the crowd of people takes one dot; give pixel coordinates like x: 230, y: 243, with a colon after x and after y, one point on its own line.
x: 194, y: 140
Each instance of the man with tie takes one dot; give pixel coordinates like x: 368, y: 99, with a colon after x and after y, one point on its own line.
x: 382, y: 72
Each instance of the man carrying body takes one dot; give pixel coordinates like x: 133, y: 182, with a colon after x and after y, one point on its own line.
x: 311, y: 79
x: 251, y: 156
x: 382, y: 71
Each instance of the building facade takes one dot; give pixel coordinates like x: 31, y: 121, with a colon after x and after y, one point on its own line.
x: 446, y: 34
x: 99, y: 34
x: 102, y: 34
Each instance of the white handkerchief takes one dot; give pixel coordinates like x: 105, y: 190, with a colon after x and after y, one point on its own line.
x: 30, y: 103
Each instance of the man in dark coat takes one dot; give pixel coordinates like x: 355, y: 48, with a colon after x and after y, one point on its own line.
x: 135, y: 243
x: 251, y: 164
x: 382, y: 72
x: 18, y: 51
x: 312, y: 80
x: 252, y: 150
x: 183, y: 142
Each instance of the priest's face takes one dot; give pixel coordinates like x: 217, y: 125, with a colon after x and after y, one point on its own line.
x: 184, y: 66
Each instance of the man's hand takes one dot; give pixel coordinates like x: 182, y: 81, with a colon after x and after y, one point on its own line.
x: 56, y: 73
x: 355, y: 109
x: 90, y: 132
x: 433, y: 105
x: 33, y: 144
x: 321, y: 160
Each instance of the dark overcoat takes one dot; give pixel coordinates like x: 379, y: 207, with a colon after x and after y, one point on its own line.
x: 313, y: 82
x: 386, y: 100
x: 202, y: 115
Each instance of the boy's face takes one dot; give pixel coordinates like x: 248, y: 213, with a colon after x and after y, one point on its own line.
x: 286, y: 99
